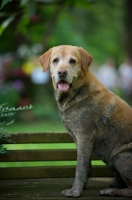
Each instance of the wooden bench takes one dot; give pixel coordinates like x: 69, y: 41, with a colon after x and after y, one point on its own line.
x: 35, y: 181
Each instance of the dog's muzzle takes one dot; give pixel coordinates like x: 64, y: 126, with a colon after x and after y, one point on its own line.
x: 62, y: 84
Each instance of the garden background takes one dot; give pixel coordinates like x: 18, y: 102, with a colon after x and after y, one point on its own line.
x: 28, y: 28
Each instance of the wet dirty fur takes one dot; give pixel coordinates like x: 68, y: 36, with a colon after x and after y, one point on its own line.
x: 100, y: 123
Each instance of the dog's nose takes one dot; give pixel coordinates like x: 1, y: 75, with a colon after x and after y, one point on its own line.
x: 62, y: 73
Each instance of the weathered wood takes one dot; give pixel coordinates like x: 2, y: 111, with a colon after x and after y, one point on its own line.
x: 27, y: 138
x: 41, y: 155
x: 36, y: 172
x: 23, y: 183
x: 50, y: 189
x: 48, y: 172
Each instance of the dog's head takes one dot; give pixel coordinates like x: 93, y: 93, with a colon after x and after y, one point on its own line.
x: 66, y: 64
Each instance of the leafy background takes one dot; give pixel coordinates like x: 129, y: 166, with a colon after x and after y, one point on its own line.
x: 29, y: 27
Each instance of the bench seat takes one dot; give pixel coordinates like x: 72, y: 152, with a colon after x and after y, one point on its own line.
x: 30, y: 172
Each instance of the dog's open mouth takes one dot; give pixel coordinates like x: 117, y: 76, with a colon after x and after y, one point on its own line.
x: 63, y: 86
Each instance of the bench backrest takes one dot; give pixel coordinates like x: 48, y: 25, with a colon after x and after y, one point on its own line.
x: 35, y: 158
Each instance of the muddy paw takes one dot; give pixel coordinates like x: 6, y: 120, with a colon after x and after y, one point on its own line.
x: 108, y: 192
x: 71, y: 193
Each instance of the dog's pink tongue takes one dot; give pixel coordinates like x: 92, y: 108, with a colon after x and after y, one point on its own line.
x: 63, y: 86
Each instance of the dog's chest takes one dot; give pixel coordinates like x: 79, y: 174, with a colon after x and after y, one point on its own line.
x: 71, y: 119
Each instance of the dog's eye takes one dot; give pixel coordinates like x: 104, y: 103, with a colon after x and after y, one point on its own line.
x: 56, y: 60
x: 72, y: 61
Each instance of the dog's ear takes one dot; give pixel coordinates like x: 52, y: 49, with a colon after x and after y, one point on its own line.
x: 44, y: 60
x: 86, y: 58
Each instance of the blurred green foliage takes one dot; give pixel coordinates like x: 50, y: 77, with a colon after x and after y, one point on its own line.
x: 95, y: 25
x: 6, y: 112
x: 8, y: 94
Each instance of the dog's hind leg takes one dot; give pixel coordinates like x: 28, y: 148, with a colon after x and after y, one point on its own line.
x: 118, y: 182
x: 126, y: 192
x: 123, y: 164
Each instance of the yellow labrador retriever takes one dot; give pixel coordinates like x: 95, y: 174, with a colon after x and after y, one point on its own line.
x: 98, y: 120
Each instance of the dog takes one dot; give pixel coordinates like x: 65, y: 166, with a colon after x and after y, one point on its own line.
x: 99, y: 121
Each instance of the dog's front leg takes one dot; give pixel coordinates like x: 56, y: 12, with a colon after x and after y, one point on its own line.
x: 84, y: 149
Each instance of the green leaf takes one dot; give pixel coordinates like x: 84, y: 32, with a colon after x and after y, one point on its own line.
x: 9, y: 123
x: 5, y: 24
x: 4, y: 2
x: 7, y: 114
x: 10, y: 111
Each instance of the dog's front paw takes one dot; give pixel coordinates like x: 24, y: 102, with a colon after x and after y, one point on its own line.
x: 71, y: 193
